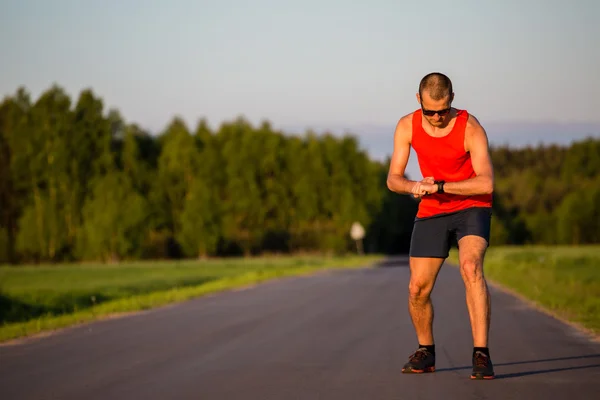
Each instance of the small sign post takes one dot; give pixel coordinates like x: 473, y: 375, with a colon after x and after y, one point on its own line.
x: 357, y: 233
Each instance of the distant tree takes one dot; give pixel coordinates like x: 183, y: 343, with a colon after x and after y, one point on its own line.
x: 579, y: 217
x: 177, y: 165
x: 13, y: 187
x: 243, y: 213
x: 114, y: 217
x: 201, y: 226
x: 44, y: 158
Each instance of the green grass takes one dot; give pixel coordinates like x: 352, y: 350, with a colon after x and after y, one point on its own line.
x: 563, y: 280
x: 35, y: 299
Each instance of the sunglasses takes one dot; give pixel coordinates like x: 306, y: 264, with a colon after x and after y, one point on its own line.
x: 431, y: 113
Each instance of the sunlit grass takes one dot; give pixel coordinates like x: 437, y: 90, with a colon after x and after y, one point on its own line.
x: 564, y: 280
x: 34, y: 299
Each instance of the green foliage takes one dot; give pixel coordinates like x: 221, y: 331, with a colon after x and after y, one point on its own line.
x: 579, y: 217
x: 547, y: 195
x: 13, y: 120
x: 42, y: 231
x: 114, y: 217
x: 177, y: 164
x: 200, y: 221
x: 582, y: 160
x: 79, y: 183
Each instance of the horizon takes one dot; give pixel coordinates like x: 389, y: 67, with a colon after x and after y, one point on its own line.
x: 322, y: 64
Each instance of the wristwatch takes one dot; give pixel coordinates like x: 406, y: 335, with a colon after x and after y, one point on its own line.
x: 440, y: 185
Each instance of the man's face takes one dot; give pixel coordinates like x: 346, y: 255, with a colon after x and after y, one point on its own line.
x: 429, y: 106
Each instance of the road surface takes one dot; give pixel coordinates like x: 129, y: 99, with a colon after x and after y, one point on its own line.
x: 337, y: 335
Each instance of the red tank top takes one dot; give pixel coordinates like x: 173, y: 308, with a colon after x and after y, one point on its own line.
x: 445, y: 159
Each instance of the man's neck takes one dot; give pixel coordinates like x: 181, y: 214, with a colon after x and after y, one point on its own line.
x: 440, y: 131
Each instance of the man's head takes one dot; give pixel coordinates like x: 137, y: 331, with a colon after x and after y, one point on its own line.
x: 435, y: 97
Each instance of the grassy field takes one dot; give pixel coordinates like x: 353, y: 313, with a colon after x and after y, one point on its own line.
x: 35, y: 299
x: 562, y: 280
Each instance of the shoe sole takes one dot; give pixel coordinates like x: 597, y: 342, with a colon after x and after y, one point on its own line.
x: 482, y: 377
x: 418, y: 371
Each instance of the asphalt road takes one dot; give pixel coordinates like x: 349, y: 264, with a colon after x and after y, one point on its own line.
x: 339, y: 335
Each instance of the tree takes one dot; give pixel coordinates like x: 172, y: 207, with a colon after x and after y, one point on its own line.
x: 177, y: 165
x: 13, y: 119
x: 579, y: 215
x: 114, y: 218
x: 243, y: 214
x: 200, y: 221
x: 43, y: 160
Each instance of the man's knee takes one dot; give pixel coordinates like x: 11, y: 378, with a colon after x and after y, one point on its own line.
x: 423, y: 273
x: 419, y: 291
x: 471, y: 251
x: 471, y: 269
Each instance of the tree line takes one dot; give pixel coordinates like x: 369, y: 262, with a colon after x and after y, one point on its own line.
x: 80, y: 183
x: 547, y: 194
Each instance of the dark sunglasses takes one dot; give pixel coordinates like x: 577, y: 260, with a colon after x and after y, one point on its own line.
x: 441, y: 113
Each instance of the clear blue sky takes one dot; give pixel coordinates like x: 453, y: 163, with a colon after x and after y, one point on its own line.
x: 311, y: 63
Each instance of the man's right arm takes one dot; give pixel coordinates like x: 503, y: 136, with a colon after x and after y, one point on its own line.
x: 396, y: 181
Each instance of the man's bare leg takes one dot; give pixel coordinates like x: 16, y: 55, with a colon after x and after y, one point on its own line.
x: 471, y: 252
x: 423, y: 274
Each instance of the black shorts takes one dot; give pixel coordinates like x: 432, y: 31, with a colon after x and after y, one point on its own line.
x: 433, y: 236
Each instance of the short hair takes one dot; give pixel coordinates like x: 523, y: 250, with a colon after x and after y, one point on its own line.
x: 437, y: 84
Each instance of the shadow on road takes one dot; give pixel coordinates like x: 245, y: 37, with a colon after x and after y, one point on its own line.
x: 534, y: 372
x: 544, y: 371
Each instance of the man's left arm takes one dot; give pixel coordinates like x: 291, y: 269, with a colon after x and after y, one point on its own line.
x: 476, y: 142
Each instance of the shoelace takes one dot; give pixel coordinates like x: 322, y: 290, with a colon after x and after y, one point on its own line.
x: 481, y: 360
x: 418, y: 355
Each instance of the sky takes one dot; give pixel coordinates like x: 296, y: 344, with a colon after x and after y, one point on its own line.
x: 528, y: 70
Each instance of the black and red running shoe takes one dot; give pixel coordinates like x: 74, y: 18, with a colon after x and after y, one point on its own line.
x: 482, y: 366
x: 419, y: 362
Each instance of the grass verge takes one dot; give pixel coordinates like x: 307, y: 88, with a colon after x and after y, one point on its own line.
x: 36, y: 299
x: 563, y: 280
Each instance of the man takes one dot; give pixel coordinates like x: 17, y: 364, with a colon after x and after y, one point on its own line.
x: 455, y: 205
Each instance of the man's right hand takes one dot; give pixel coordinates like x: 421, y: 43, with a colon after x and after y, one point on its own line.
x: 418, y: 190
